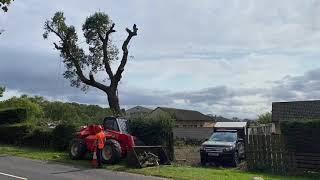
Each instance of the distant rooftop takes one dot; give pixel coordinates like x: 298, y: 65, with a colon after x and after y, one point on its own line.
x: 186, y: 115
x: 138, y: 109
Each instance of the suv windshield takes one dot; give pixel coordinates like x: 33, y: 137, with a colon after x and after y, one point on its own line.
x: 224, y: 136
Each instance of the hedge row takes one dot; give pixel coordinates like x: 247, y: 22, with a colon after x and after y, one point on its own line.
x: 289, y: 127
x: 13, y: 115
x: 28, y: 135
x: 151, y: 130
x: 302, y: 136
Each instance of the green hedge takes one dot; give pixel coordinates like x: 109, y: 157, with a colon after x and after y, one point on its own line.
x: 302, y: 135
x: 38, y: 137
x: 29, y: 135
x: 151, y: 130
x: 288, y: 126
x: 62, y: 135
x: 13, y: 115
x: 14, y: 133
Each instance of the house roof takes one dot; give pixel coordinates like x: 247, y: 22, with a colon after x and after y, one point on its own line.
x: 186, y: 115
x: 230, y: 124
x: 222, y: 119
x: 138, y: 109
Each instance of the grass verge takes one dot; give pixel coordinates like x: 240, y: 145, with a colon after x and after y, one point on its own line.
x: 172, y: 171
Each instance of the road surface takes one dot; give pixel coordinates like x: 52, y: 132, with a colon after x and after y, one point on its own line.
x: 15, y: 168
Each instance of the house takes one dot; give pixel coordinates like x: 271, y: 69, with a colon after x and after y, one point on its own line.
x: 185, y: 118
x: 189, y: 124
x: 294, y: 110
x: 137, y: 111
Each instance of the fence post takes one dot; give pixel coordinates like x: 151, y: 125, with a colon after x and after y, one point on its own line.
x: 171, y: 146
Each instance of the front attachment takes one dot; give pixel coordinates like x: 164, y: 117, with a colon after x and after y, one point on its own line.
x: 144, y: 156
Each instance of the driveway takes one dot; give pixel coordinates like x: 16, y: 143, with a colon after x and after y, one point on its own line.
x: 16, y: 168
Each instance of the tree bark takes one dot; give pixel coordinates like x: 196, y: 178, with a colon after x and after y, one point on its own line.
x: 113, y: 100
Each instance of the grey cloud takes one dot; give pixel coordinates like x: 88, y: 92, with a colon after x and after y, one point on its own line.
x: 306, y: 86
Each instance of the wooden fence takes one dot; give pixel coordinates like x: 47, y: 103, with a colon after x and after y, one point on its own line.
x: 272, y: 152
x: 266, y: 152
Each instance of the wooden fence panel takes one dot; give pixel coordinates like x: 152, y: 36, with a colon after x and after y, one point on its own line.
x: 266, y: 152
x: 271, y: 152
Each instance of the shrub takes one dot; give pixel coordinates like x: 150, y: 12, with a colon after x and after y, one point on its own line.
x: 62, y: 135
x: 38, y: 137
x: 12, y: 115
x: 265, y: 118
x: 302, y: 135
x: 14, y: 133
x: 151, y: 130
x: 33, y: 110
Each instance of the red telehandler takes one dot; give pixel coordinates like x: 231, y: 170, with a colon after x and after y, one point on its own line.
x: 119, y: 145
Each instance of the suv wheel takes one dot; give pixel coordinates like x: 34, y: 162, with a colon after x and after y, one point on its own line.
x: 203, y: 161
x: 235, y: 159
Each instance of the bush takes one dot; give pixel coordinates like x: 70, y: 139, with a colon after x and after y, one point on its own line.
x: 62, y: 135
x: 38, y: 137
x: 14, y: 133
x: 265, y: 118
x: 13, y: 115
x: 33, y: 110
x: 302, y: 136
x: 151, y: 130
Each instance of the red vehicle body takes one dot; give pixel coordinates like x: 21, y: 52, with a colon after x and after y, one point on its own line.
x: 88, y: 133
x: 119, y: 143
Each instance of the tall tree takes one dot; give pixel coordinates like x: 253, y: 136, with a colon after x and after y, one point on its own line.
x: 4, y: 4
x: 265, y: 118
x: 81, y: 68
x: 2, y: 89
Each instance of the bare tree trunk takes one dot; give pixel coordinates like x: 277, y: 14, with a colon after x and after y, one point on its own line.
x: 113, y: 100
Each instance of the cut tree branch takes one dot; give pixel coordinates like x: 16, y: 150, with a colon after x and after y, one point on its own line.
x: 124, y: 59
x: 106, y: 59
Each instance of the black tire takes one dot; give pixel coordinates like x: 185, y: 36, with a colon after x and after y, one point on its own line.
x: 111, y: 153
x: 235, y: 159
x: 77, y: 149
x: 203, y: 161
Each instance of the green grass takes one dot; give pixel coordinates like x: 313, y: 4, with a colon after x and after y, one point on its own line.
x: 172, y: 171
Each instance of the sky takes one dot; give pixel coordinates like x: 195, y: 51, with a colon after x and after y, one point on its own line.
x: 231, y: 58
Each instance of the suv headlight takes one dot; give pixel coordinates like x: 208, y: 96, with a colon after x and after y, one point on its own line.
x: 202, y: 147
x: 228, y: 148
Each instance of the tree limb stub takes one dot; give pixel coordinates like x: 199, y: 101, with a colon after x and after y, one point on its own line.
x: 124, y: 59
x: 106, y: 60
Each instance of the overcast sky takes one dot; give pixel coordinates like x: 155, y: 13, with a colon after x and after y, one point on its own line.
x: 230, y: 58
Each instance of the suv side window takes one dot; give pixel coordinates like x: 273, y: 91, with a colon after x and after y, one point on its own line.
x: 111, y: 124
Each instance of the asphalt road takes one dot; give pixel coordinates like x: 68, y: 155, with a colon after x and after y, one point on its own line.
x: 15, y: 168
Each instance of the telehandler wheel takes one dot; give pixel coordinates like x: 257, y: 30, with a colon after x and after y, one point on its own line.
x: 77, y: 149
x: 111, y: 153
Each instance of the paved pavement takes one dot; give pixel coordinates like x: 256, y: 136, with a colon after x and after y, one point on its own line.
x: 15, y: 168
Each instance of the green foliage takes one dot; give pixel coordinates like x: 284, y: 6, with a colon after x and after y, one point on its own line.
x: 14, y: 133
x: 291, y: 127
x: 152, y: 130
x: 62, y: 135
x: 2, y: 89
x: 34, y: 110
x: 41, y: 111
x: 12, y: 115
x: 4, y: 4
x: 265, y: 118
x: 39, y: 137
x: 74, y: 56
